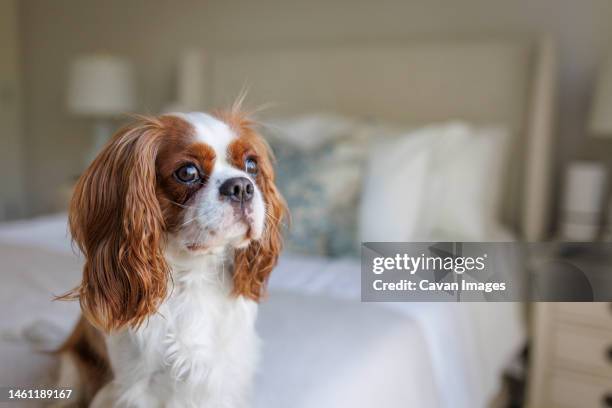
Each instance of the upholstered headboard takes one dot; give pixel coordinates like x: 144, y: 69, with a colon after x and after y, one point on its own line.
x: 492, y: 82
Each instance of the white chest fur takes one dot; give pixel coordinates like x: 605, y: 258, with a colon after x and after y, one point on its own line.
x: 199, y: 350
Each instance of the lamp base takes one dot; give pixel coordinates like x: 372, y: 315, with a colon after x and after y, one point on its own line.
x: 103, y: 129
x: 607, y: 233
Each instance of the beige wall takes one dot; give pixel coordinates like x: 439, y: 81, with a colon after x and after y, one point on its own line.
x: 153, y: 32
x: 11, y: 138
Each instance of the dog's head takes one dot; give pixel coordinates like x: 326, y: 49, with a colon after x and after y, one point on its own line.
x: 193, y: 184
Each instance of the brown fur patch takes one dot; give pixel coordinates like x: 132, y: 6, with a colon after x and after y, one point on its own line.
x: 179, y: 149
x: 88, y: 351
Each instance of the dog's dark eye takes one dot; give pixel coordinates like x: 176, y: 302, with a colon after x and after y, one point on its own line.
x: 250, y: 165
x: 187, y: 174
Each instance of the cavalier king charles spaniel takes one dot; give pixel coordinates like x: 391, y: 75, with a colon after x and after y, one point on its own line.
x: 179, y: 222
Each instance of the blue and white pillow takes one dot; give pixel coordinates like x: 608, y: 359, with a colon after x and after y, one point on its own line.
x: 322, y: 186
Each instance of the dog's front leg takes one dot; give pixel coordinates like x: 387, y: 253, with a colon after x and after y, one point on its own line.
x: 186, y: 362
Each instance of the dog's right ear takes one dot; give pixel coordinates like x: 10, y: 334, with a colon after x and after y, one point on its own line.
x: 116, y: 221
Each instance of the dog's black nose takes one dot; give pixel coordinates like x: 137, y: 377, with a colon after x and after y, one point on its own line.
x: 238, y: 189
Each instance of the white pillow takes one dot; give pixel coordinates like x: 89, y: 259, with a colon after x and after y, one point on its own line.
x: 391, y: 196
x: 440, y: 182
x: 462, y: 195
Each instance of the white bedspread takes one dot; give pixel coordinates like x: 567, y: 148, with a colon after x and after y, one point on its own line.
x: 322, y: 347
x: 470, y: 343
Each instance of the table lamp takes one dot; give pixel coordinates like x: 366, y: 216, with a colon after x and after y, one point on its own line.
x: 100, y: 87
x: 600, y: 121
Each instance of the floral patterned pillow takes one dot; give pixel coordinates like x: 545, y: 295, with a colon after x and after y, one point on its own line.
x: 322, y: 187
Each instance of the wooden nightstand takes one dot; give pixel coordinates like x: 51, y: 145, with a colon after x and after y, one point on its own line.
x: 571, y: 356
x: 571, y: 352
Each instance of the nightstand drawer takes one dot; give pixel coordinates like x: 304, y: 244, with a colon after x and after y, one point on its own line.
x: 573, y: 391
x: 595, y: 314
x: 585, y: 349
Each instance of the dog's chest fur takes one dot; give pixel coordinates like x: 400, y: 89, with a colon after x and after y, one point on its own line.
x: 200, y: 346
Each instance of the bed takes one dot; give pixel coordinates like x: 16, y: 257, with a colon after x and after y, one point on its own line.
x: 321, y: 346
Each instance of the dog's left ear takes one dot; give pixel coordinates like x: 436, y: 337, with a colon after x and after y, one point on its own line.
x: 116, y: 221
x: 253, y: 265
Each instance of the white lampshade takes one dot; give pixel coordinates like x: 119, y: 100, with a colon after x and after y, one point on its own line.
x: 600, y: 123
x: 101, y: 85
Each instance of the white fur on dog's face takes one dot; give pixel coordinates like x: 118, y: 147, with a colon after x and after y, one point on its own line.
x: 211, y: 221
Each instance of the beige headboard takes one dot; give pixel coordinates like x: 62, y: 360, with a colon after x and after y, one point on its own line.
x: 493, y: 82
